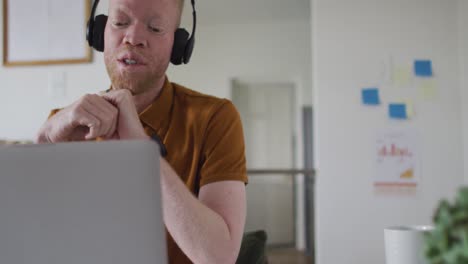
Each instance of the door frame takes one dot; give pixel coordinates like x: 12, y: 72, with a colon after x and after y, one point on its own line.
x: 298, y: 147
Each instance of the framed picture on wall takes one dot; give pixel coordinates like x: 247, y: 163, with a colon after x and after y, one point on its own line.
x: 43, y: 32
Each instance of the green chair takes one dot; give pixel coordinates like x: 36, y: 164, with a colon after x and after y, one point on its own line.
x: 252, y: 249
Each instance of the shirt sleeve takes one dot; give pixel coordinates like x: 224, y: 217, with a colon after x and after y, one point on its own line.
x: 224, y: 148
x: 53, y: 112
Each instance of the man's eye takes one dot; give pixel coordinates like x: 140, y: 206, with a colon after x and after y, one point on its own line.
x: 120, y: 24
x: 155, y: 29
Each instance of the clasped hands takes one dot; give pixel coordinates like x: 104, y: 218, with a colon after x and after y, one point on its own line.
x: 110, y: 116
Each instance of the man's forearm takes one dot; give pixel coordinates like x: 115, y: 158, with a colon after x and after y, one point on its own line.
x: 201, y: 233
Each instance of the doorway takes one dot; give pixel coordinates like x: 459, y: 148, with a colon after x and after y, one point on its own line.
x: 268, y: 114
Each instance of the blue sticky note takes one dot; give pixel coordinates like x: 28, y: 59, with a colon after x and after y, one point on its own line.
x: 423, y: 68
x: 370, y: 96
x: 397, y: 111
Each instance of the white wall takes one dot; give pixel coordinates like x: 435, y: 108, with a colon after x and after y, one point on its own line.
x: 463, y: 40
x: 351, y: 40
x: 25, y: 101
x: 265, y: 50
x: 269, y: 51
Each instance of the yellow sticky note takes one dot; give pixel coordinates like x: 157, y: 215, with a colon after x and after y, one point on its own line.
x: 409, y: 108
x: 428, y: 89
x: 401, y: 76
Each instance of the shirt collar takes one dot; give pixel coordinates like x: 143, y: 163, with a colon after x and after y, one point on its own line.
x: 157, y: 114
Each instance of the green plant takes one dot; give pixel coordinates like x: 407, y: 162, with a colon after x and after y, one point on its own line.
x: 448, y: 242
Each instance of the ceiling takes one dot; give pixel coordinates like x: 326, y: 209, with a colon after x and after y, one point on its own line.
x: 246, y: 11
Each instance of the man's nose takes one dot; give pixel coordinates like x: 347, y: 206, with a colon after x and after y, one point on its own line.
x: 135, y: 36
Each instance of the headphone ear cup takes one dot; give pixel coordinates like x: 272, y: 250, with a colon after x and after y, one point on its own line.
x: 189, y: 49
x: 89, y: 32
x: 181, y: 37
x: 98, y: 32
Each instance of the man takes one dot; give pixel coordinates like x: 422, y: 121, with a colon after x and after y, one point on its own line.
x: 203, y: 176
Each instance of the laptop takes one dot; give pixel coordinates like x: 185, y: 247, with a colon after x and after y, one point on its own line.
x: 81, y: 203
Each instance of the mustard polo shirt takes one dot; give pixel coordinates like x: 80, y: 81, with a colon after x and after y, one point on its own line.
x: 204, y: 140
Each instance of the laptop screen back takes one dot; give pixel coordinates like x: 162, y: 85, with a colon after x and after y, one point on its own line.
x: 78, y: 203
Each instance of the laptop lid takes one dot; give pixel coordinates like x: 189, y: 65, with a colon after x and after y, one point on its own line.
x: 75, y: 203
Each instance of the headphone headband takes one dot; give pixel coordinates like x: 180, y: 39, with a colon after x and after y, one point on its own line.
x: 194, y: 15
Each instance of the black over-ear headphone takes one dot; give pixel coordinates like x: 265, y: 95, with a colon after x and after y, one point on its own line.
x: 183, y: 42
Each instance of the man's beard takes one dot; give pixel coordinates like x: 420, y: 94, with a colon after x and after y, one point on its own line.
x: 135, y: 82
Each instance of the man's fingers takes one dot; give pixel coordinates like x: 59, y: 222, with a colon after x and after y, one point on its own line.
x: 105, y: 106
x: 129, y: 125
x: 100, y: 128
x: 115, y: 136
x: 90, y: 121
x: 114, y: 127
x: 103, y: 111
x: 107, y: 113
x: 115, y: 120
x: 118, y: 97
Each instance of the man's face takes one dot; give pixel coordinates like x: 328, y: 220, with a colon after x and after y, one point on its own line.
x: 138, y: 42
